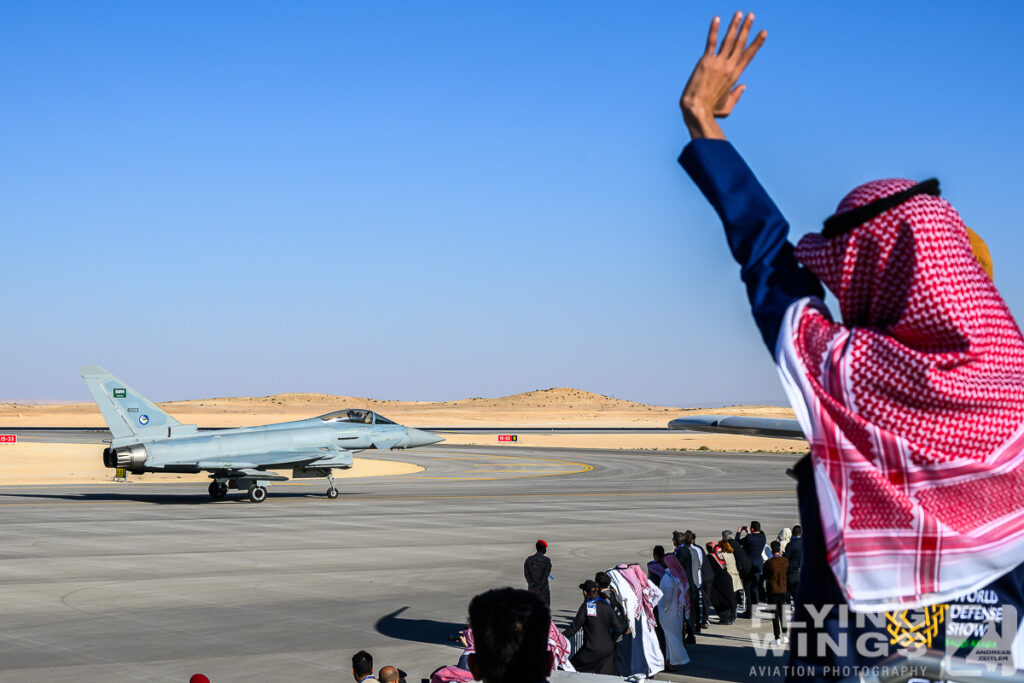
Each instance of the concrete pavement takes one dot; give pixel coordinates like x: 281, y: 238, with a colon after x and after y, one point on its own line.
x: 156, y: 581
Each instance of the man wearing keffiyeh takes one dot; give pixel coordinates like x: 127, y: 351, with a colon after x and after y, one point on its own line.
x: 913, y: 405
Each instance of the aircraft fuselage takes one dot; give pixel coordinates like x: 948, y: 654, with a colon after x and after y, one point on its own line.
x: 324, y: 444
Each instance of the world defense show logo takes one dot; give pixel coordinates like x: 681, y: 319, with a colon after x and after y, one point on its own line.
x: 980, y: 632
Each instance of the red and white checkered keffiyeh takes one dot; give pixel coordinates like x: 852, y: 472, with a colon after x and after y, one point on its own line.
x: 913, y: 406
x: 681, y: 576
x: 558, y: 645
x: 646, y: 594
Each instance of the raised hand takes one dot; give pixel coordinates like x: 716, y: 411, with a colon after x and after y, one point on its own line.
x: 712, y: 91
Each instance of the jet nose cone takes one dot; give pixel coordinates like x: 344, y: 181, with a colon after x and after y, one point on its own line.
x: 418, y: 437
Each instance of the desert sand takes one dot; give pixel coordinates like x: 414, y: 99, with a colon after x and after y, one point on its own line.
x: 25, y: 463
x: 64, y: 463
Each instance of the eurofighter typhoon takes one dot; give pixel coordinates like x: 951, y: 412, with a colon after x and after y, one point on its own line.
x: 146, y: 439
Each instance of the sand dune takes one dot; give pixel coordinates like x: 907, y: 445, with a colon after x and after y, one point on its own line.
x: 559, y: 407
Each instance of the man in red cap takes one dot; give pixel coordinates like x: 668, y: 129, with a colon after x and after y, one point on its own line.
x: 537, y: 569
x: 910, y: 500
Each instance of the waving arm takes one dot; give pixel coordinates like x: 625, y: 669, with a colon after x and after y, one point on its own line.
x: 755, y: 229
x: 712, y: 91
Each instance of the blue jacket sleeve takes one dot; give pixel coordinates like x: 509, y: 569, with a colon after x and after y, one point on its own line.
x: 756, y: 231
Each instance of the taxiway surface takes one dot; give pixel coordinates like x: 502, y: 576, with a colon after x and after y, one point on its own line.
x: 155, y: 582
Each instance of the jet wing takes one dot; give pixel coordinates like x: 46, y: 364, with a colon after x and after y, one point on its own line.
x: 263, y: 460
x: 735, y: 424
x: 238, y: 473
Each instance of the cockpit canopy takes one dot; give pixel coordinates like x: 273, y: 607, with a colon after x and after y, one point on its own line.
x: 358, y: 415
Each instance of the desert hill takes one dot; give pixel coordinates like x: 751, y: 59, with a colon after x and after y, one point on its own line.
x: 561, y: 406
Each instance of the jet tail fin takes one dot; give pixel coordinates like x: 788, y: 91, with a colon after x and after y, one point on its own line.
x: 126, y: 412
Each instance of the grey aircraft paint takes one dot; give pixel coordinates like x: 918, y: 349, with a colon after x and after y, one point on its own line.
x: 146, y: 439
x: 736, y: 424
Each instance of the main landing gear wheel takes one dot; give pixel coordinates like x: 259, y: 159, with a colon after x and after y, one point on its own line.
x: 332, y: 493
x: 218, y: 490
x: 257, y: 494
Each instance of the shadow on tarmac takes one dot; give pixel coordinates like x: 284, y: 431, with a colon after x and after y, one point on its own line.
x: 166, y: 498
x: 416, y: 630
x: 727, y: 655
x: 562, y: 617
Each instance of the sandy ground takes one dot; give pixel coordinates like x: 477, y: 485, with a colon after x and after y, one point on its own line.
x: 25, y: 463
x: 63, y: 463
x: 672, y: 441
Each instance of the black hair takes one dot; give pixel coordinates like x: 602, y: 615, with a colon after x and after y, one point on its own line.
x: 659, y: 550
x: 510, y: 634
x: 797, y: 529
x: 362, y: 663
x: 755, y: 525
x: 542, y: 547
x: 602, y: 579
x: 776, y: 547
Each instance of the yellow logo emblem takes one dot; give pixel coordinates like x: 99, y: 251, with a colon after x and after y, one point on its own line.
x: 913, y: 628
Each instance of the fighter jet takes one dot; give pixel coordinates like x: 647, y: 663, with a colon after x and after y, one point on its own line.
x: 146, y: 439
x: 735, y: 424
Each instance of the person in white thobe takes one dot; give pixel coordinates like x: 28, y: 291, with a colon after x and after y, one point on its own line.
x: 645, y: 656
x: 670, y: 609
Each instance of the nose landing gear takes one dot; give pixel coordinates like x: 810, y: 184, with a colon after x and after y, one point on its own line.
x: 332, y: 492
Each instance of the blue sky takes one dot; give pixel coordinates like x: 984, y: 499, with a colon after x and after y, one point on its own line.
x: 433, y: 200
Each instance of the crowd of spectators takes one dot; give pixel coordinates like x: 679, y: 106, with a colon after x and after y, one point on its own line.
x: 727, y: 577
x: 634, y: 621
